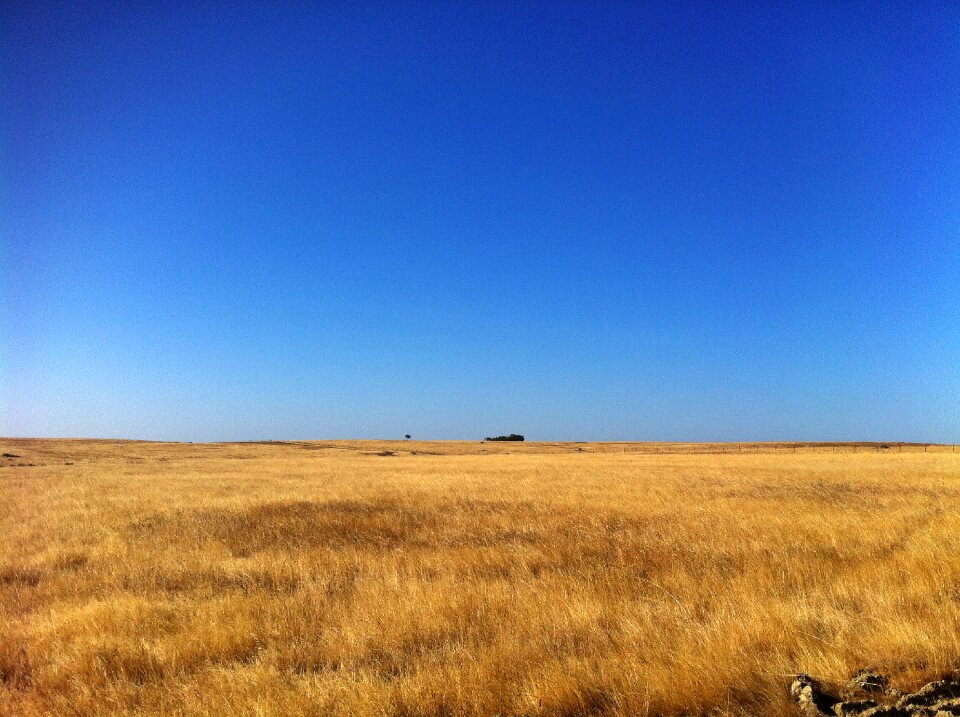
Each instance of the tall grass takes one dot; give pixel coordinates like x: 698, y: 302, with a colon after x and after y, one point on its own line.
x: 468, y: 579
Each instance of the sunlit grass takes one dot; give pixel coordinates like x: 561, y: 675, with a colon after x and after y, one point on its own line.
x: 468, y: 579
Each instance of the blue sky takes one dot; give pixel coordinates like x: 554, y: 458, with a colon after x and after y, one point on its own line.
x: 576, y: 221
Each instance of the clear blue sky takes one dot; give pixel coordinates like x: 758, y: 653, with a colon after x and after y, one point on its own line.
x: 577, y: 220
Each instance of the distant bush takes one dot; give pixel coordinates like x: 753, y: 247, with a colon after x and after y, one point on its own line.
x: 511, y: 437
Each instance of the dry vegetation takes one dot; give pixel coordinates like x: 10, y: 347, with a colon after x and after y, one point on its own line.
x: 467, y: 579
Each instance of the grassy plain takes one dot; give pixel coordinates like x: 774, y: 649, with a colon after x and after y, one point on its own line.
x: 467, y: 579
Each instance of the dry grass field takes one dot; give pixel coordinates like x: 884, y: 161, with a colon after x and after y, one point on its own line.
x: 467, y: 579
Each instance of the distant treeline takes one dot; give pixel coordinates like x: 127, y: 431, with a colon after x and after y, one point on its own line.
x: 511, y: 437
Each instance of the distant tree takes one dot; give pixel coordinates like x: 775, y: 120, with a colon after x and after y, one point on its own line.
x: 407, y: 436
x: 511, y: 437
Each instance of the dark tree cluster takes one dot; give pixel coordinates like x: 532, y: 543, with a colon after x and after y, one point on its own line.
x: 511, y: 437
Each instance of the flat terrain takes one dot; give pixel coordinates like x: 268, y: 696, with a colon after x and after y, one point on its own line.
x: 323, y: 578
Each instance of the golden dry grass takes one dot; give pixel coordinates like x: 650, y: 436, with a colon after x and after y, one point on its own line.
x: 468, y: 579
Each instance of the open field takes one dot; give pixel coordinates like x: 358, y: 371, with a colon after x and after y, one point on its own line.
x: 468, y: 579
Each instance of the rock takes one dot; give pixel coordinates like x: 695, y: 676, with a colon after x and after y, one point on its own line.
x: 867, y: 681
x: 949, y: 707
x: 811, y: 698
x: 800, y: 682
x: 885, y: 711
x: 940, y: 698
x: 852, y: 707
x: 807, y: 701
x: 930, y: 694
